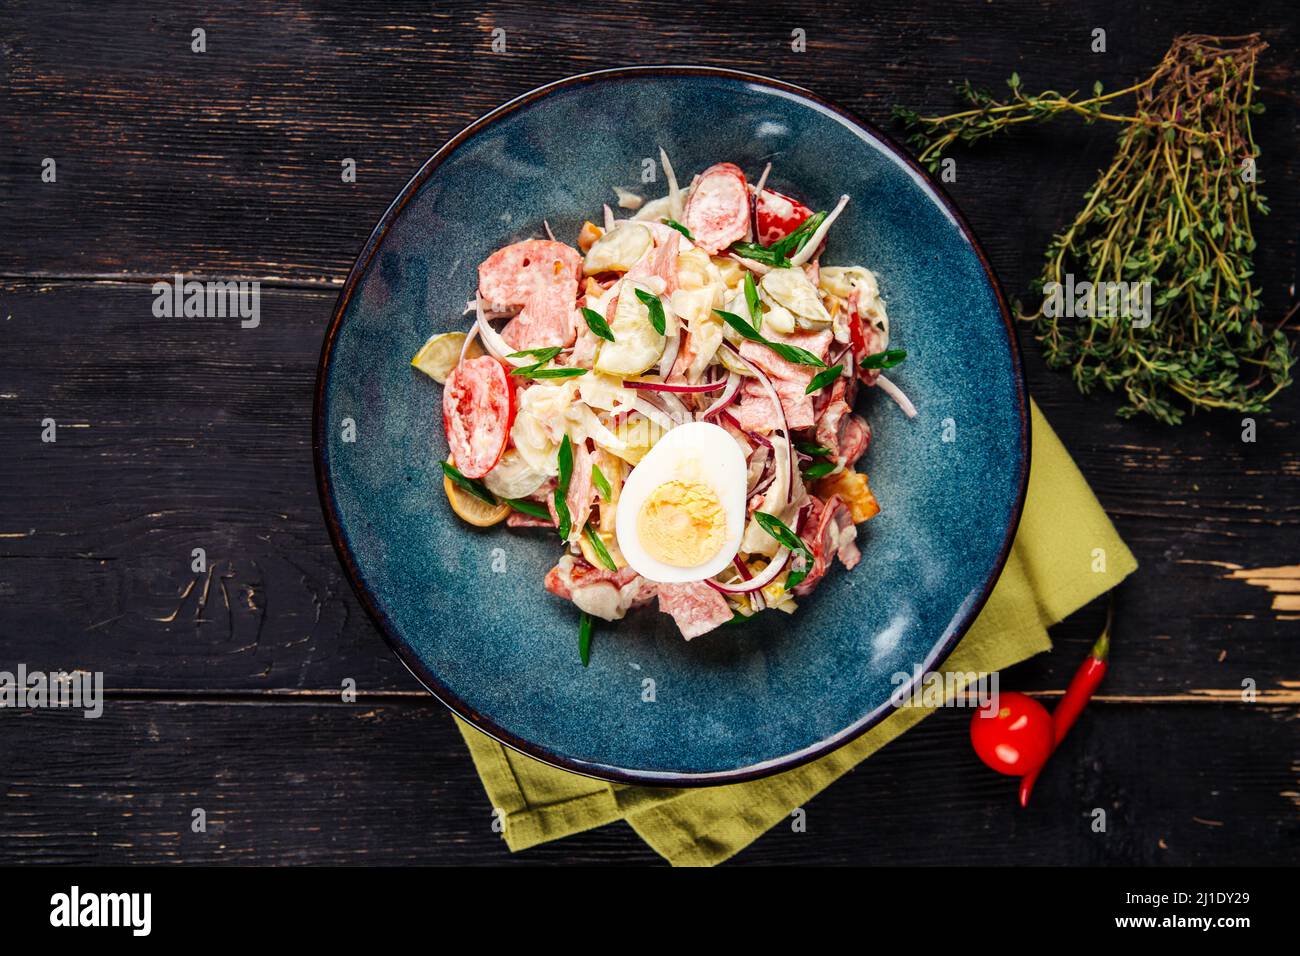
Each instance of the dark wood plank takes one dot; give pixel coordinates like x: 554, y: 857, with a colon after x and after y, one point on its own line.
x: 392, y: 784
x: 194, y: 433
x: 229, y: 161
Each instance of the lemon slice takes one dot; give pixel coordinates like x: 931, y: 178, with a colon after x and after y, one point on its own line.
x: 472, y: 509
x: 438, y: 356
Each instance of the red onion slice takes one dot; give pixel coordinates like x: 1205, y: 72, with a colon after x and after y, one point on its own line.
x: 654, y: 413
x: 896, y: 393
x: 492, y: 340
x: 775, y: 399
x: 464, y: 349
x: 760, y: 580
x: 728, y: 396
x: 671, y: 387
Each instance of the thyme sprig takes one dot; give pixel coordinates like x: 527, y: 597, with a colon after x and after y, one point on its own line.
x: 1173, y: 210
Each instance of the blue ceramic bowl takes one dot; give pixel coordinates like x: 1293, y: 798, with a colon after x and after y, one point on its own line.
x: 465, y: 608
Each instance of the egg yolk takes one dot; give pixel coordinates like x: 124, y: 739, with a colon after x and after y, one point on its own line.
x: 682, y: 523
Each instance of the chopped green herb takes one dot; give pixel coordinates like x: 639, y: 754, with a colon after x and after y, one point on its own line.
x: 562, y: 487
x: 584, y: 638
x: 822, y: 379
x: 598, y: 546
x: 674, y: 224
x: 818, y: 469
x: 886, y: 359
x: 473, y: 486
x: 791, y: 244
x: 596, y: 322
x: 542, y: 355
x: 651, y: 302
x: 809, y: 448
x: 528, y: 507
x: 787, y: 539
x: 752, y: 300
x: 795, y: 575
x: 791, y: 353
x: 601, y: 482
x: 536, y: 371
x: 760, y: 254
x: 778, y: 253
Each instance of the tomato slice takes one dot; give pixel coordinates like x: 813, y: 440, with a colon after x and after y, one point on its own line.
x: 717, y: 214
x: 777, y: 216
x: 477, y: 408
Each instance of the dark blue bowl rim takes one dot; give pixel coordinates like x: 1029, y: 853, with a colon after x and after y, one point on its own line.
x: 407, y: 656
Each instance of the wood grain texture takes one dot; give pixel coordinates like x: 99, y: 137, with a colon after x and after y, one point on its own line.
x: 229, y: 161
x: 177, y: 434
x: 393, y: 783
x: 202, y: 440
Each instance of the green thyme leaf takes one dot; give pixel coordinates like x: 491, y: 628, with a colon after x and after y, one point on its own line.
x: 472, y: 485
x: 596, y: 322
x: 651, y: 302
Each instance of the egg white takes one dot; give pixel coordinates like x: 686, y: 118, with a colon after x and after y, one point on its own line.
x: 695, y: 451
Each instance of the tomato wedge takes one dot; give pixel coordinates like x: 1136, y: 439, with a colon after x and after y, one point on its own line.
x: 717, y: 214
x: 777, y: 216
x: 477, y: 408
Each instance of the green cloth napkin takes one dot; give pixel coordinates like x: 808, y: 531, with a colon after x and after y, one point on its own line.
x: 1052, y: 571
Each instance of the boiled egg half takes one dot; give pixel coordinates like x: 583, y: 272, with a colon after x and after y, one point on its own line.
x: 681, y: 512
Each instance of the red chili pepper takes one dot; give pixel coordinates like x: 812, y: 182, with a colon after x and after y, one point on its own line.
x: 1077, y: 695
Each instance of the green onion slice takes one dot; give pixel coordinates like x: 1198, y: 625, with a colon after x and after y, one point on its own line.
x: 791, y: 353
x: 598, y: 546
x: 651, y: 302
x: 584, y: 638
x: 822, y: 379
x: 596, y: 322
x: 674, y: 224
x: 472, y: 485
x: 886, y: 359
x: 601, y: 482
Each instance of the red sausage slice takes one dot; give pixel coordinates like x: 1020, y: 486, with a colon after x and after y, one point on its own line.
x: 540, y: 276
x: 514, y: 274
x: 477, y: 406
x: 778, y: 216
x: 717, y: 214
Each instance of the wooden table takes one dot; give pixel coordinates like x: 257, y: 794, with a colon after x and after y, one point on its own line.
x: 175, y: 434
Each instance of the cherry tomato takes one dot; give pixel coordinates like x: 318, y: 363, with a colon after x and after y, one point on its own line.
x: 477, y: 406
x: 1017, y: 738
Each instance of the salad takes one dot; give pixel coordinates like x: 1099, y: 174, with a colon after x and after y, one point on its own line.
x: 673, y: 396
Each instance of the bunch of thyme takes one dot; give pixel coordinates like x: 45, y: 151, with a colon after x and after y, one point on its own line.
x: 1172, y: 210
